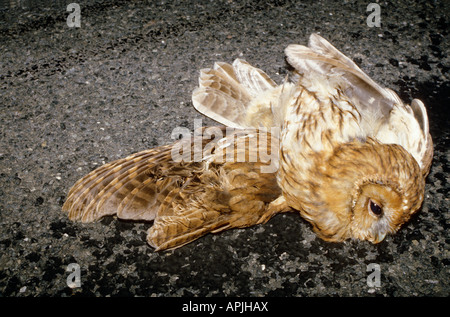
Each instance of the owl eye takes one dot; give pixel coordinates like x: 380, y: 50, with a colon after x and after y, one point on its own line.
x: 374, y: 208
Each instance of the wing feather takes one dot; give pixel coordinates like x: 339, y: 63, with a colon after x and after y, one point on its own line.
x: 185, y: 199
x: 90, y: 188
x: 253, y: 79
x: 226, y: 91
x: 323, y: 59
x: 231, y: 194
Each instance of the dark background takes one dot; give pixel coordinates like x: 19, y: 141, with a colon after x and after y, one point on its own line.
x: 72, y: 99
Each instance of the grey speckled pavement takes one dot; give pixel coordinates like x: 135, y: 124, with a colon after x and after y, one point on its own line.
x: 72, y: 99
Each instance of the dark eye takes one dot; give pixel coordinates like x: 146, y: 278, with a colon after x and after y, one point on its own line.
x: 375, y: 208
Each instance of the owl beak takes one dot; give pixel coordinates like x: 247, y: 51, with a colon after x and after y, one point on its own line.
x: 378, y: 237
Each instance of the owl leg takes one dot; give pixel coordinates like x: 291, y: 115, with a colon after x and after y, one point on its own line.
x: 279, y: 205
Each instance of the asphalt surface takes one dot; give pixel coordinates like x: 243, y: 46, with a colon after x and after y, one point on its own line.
x: 74, y: 98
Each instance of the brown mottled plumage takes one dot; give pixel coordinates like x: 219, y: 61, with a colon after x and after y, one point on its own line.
x: 344, y: 152
x: 185, y: 199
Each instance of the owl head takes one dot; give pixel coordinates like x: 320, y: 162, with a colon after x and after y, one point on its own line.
x: 364, y: 191
x: 380, y: 206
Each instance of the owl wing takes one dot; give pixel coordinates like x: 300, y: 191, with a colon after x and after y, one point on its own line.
x: 186, y: 200
x: 234, y: 190
x: 247, y: 198
x: 424, y: 145
x: 406, y: 126
x: 225, y: 91
x: 132, y: 188
x: 321, y: 58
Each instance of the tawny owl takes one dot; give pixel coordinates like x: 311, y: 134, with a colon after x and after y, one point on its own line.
x: 330, y: 143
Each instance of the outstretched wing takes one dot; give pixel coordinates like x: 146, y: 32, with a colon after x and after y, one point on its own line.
x: 186, y: 199
x: 131, y: 188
